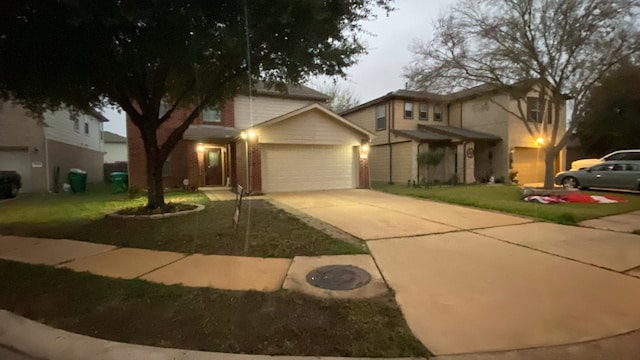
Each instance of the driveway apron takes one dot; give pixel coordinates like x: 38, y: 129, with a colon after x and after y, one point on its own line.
x: 469, y: 280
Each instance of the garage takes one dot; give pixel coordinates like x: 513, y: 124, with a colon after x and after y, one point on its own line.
x: 311, y: 148
x: 17, y: 160
x: 308, y: 167
x: 529, y: 163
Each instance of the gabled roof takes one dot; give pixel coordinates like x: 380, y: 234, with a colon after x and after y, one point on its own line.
x: 97, y: 115
x: 316, y: 107
x: 110, y: 137
x: 398, y: 94
x: 460, y: 133
x: 292, y: 91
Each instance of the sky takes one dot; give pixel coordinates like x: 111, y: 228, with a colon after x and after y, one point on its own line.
x: 379, y: 71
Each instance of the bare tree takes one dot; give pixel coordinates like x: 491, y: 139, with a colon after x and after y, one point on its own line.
x: 341, y: 98
x: 559, y: 48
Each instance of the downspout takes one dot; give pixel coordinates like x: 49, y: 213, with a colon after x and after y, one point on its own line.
x: 418, y: 164
x: 389, y: 109
x: 46, y: 162
x: 464, y: 162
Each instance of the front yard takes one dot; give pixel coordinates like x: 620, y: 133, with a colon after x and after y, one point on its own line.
x: 141, y: 312
x: 509, y: 199
x: 264, y: 230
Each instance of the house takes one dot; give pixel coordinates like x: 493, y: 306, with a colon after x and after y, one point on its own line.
x: 270, y: 142
x: 478, y: 137
x: 43, y: 151
x: 115, y: 148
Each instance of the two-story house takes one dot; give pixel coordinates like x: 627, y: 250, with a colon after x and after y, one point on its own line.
x: 41, y: 150
x: 477, y: 129
x: 267, y: 143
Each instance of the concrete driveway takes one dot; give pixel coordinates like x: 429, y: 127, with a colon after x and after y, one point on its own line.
x: 469, y: 280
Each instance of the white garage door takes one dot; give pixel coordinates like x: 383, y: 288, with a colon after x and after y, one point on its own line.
x: 17, y: 160
x: 308, y: 167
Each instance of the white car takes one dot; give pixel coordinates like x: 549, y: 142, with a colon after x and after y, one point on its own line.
x: 616, y: 155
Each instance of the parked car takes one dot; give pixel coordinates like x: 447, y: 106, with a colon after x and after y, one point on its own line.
x: 610, y: 174
x: 633, y: 154
x: 10, y: 183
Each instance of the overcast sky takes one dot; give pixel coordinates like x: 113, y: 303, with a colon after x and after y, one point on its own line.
x: 380, y: 71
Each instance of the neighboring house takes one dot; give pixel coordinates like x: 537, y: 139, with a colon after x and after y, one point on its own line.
x: 479, y: 138
x: 35, y: 148
x: 271, y: 142
x: 115, y: 148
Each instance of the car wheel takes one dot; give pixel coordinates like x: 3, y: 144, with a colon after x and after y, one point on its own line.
x: 570, y: 182
x: 14, y: 191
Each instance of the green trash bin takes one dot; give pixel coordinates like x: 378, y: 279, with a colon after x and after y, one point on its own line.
x: 78, y: 180
x: 119, y: 182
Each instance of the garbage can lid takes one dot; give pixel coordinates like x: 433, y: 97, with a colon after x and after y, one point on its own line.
x: 118, y: 173
x: 78, y: 171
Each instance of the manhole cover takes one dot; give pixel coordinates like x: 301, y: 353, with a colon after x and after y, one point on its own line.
x: 338, y: 277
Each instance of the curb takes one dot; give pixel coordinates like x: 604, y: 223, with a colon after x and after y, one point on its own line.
x: 41, y: 341
x: 157, y: 216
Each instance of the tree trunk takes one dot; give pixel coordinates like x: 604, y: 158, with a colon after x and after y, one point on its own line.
x: 550, y: 155
x: 155, y: 162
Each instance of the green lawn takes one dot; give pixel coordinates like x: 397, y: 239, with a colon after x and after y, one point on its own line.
x: 264, y: 230
x: 509, y: 199
x: 136, y: 311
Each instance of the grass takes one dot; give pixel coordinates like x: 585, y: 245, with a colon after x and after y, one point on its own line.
x: 509, y: 199
x: 135, y: 311
x: 264, y: 230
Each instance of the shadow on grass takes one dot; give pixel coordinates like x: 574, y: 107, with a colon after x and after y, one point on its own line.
x: 264, y: 231
x: 136, y: 311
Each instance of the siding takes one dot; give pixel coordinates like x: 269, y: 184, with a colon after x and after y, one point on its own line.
x: 312, y: 127
x: 482, y: 114
x: 67, y: 157
x: 404, y: 161
x: 366, y: 118
x: 264, y: 108
x: 60, y: 129
x: 114, y: 152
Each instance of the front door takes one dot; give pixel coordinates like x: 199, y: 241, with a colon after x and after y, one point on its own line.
x: 213, y: 164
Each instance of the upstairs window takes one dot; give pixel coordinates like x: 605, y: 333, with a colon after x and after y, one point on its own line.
x: 437, y: 113
x: 423, y: 112
x: 535, y: 110
x: 408, y: 110
x: 211, y: 115
x: 381, y: 119
x: 86, y: 127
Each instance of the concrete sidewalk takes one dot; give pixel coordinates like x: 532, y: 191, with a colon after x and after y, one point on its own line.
x: 629, y: 222
x: 471, y: 281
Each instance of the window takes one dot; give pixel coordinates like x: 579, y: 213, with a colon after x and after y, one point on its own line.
x: 381, y: 119
x: 408, y: 110
x: 423, y: 112
x: 437, y: 113
x: 211, y: 115
x: 535, y: 110
x: 86, y: 127
x: 164, y: 107
x: 76, y: 124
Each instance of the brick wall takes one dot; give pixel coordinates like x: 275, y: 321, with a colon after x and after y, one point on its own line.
x: 256, y: 166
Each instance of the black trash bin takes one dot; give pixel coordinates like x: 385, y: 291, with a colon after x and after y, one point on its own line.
x: 119, y: 182
x: 78, y: 180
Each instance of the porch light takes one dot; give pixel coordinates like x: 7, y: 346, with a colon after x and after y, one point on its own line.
x: 540, y: 140
x: 243, y: 135
x: 364, y: 151
x: 251, y: 134
x: 200, y: 148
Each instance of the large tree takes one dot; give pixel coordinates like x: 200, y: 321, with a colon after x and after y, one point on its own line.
x: 559, y: 48
x: 192, y: 54
x: 611, y: 116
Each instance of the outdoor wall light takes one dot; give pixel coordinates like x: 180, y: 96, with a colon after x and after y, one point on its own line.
x: 540, y: 140
x: 251, y: 134
x: 364, y: 151
x: 200, y: 148
x: 243, y: 135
